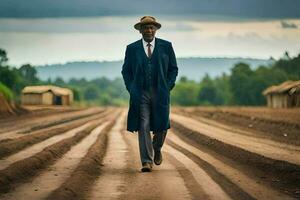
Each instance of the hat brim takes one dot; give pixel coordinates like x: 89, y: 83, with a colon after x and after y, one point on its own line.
x: 137, y: 26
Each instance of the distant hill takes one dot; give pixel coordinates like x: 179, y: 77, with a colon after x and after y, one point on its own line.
x: 193, y: 68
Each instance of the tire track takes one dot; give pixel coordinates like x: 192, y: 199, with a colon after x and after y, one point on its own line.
x: 236, y: 184
x: 100, y: 160
x: 48, y: 180
x: 280, y: 174
x: 252, y: 125
x: 15, y: 145
x: 89, y: 168
x: 34, y: 115
x: 25, y: 169
x: 266, y: 151
x: 206, y: 187
x: 112, y: 179
x: 5, y: 137
x: 34, y: 149
x: 48, y: 121
x: 158, y: 184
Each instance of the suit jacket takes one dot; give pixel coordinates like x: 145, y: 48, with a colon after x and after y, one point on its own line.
x: 133, y: 72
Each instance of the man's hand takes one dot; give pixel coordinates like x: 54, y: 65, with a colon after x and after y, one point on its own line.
x: 172, y: 68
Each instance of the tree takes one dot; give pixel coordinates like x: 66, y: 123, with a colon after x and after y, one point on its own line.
x: 29, y: 73
x: 76, y: 94
x: 185, y: 93
x: 291, y: 66
x: 9, y: 77
x: 59, y: 82
x: 183, y: 79
x: 241, y: 84
x: 91, y: 93
x: 264, y: 78
x: 208, y: 93
x: 3, y: 57
x: 223, y: 89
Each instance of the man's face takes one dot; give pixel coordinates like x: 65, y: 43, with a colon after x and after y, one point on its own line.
x: 148, y: 32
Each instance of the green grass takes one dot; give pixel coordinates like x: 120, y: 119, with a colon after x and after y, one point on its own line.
x: 7, y: 93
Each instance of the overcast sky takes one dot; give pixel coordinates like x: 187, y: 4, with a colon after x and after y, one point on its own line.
x: 58, y: 31
x: 237, y: 8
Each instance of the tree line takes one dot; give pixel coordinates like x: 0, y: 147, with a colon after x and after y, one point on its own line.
x: 13, y: 80
x: 100, y: 91
x: 243, y: 86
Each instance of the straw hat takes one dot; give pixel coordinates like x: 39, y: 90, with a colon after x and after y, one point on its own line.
x: 147, y: 20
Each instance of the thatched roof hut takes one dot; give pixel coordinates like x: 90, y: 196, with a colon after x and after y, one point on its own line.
x: 46, y: 95
x: 285, y: 95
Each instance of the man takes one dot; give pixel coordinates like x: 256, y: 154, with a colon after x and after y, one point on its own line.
x: 149, y: 72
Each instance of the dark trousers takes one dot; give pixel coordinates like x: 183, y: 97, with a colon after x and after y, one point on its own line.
x: 146, y: 144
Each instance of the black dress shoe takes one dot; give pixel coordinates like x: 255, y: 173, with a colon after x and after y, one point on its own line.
x: 147, y: 167
x: 157, y: 157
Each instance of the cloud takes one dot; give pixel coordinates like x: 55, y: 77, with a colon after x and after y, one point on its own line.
x: 178, y: 26
x: 288, y: 25
x: 240, y: 38
x: 248, y: 9
x: 87, y: 25
x: 181, y: 26
x: 68, y: 25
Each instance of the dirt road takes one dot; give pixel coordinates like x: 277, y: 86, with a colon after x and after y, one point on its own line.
x: 88, y: 154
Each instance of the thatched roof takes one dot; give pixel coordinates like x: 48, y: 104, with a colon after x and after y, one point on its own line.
x: 46, y: 88
x: 289, y: 87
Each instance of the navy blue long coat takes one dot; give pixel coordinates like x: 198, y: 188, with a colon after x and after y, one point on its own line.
x: 132, y: 72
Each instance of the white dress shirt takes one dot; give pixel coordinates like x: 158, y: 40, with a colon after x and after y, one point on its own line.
x: 152, y: 43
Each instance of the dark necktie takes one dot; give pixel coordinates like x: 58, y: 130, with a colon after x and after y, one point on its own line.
x: 149, y: 50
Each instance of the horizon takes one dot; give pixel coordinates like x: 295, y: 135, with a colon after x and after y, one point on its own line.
x: 103, y: 61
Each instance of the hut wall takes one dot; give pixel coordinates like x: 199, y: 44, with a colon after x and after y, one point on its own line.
x: 32, y: 99
x: 275, y: 101
x: 64, y: 100
x: 295, y: 100
x: 285, y: 95
x: 285, y: 99
x: 70, y: 98
x: 269, y: 100
x: 47, y: 98
x: 289, y: 101
x: 37, y: 99
x: 67, y: 99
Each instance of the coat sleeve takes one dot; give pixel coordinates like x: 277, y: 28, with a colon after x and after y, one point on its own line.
x: 127, y: 70
x: 172, y: 68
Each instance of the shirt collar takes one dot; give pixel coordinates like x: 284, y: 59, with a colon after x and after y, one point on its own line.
x: 152, y: 42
